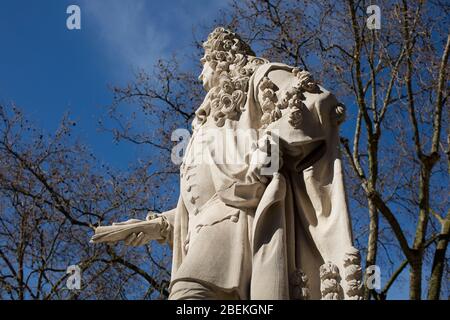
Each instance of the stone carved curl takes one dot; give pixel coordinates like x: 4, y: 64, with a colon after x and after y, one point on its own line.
x: 292, y: 99
x: 234, y: 61
x: 329, y: 282
x: 353, y: 275
x: 305, y: 81
x: 270, y: 106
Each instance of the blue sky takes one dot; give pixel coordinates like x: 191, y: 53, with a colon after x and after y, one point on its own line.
x: 48, y: 70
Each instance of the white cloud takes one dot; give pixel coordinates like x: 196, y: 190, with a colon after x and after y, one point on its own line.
x: 135, y: 33
x: 129, y: 38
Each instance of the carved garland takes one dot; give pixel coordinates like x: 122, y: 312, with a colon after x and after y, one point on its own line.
x: 353, y: 275
x: 330, y: 278
x: 270, y: 106
x: 329, y: 282
x: 292, y: 98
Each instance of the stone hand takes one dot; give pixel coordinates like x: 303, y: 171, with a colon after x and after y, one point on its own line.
x: 262, y: 162
x: 138, y: 239
x: 133, y: 232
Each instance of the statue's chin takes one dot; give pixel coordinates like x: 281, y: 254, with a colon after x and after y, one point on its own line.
x: 209, y: 84
x: 206, y: 86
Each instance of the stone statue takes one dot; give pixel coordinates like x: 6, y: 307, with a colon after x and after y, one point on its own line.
x: 272, y: 222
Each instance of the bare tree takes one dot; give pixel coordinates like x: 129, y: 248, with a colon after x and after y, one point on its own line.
x: 52, y: 192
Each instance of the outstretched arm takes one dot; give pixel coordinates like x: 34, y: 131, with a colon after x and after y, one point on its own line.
x: 136, y: 232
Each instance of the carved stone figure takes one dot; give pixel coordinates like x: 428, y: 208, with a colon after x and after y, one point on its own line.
x: 272, y: 222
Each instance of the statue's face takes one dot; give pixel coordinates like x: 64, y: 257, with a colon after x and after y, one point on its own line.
x: 208, y: 76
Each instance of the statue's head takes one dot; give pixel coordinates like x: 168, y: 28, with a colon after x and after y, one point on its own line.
x: 223, y: 49
x: 228, y: 63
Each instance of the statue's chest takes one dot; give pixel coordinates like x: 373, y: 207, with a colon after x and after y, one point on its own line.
x: 196, y: 183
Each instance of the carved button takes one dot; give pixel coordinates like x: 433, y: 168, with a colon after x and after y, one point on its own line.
x: 193, y: 199
x: 234, y: 219
x: 186, y: 243
x: 189, y: 188
x: 195, y: 211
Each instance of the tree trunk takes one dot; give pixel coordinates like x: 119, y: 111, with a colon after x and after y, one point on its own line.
x: 415, y: 277
x: 372, y: 244
x: 438, y: 262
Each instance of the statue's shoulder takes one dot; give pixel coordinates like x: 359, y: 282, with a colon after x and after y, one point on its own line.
x: 279, y: 86
x: 263, y: 68
x: 279, y: 74
x: 260, y: 67
x: 283, y: 77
